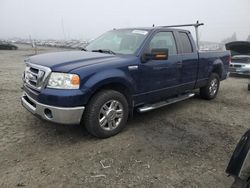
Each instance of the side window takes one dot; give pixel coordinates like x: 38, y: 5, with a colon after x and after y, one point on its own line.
x: 163, y: 40
x: 186, y: 44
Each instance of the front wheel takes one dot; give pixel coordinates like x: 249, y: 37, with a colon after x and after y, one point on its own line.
x: 106, y: 114
x: 211, y: 89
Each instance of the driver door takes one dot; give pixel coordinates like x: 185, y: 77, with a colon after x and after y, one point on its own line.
x: 159, y: 79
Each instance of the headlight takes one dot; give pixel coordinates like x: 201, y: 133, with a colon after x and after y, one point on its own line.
x: 63, y: 81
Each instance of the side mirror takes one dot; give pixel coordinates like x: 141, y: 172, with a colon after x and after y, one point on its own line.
x: 239, y: 165
x: 156, y: 54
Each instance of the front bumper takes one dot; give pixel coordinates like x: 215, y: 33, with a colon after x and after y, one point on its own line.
x: 62, y: 115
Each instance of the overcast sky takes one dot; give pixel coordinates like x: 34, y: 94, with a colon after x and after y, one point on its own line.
x: 86, y: 19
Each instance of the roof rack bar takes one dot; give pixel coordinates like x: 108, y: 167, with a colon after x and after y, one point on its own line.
x: 196, y: 25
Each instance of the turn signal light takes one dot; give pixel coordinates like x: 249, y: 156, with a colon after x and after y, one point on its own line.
x: 75, y: 80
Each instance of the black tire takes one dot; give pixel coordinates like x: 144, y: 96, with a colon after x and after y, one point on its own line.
x: 210, y: 90
x: 249, y: 87
x: 93, y: 113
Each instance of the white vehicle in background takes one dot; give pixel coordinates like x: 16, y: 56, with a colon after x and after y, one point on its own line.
x: 240, y: 62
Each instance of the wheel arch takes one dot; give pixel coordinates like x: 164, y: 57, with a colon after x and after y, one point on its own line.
x: 218, y: 67
x: 114, y: 83
x: 117, y: 86
x: 115, y: 79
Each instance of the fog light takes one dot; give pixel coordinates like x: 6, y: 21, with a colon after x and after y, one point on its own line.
x: 48, y: 113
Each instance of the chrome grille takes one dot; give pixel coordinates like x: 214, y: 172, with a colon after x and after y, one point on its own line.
x: 35, y: 76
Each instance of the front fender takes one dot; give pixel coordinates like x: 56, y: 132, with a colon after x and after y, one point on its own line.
x: 239, y: 165
x: 110, y: 76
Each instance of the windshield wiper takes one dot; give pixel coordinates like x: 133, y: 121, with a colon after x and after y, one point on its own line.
x: 104, y: 51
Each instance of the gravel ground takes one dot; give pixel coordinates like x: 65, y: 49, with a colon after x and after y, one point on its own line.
x: 187, y: 144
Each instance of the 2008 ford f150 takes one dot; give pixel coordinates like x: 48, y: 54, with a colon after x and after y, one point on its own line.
x: 122, y: 70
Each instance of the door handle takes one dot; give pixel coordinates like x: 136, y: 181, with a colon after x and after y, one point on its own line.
x: 133, y: 67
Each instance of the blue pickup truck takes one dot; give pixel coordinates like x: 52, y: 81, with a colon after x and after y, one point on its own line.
x: 121, y: 71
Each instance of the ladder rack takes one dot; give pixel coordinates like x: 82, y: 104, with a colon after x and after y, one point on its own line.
x: 196, y: 25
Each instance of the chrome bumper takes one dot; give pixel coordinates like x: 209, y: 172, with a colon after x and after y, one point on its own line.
x: 62, y: 115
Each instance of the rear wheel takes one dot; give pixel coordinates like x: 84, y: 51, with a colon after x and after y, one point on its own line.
x: 106, y: 114
x: 211, y: 89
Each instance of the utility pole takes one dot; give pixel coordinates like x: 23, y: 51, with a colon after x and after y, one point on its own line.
x: 63, y: 31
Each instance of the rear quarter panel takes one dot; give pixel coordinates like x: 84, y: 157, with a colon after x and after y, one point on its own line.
x: 208, y: 61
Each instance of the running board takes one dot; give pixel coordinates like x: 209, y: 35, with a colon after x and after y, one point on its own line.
x: 165, y: 103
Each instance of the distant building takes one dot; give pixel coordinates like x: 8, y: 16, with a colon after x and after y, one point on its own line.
x: 210, y: 46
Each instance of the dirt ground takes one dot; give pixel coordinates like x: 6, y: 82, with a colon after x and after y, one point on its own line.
x: 187, y: 144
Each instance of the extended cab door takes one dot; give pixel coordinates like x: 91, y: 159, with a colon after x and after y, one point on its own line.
x: 159, y: 79
x: 190, y: 60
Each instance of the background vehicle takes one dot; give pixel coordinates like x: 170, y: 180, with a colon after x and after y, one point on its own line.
x: 240, y: 51
x: 239, y: 165
x: 7, y: 46
x: 123, y: 70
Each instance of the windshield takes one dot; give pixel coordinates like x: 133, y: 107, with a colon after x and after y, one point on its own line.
x: 124, y: 41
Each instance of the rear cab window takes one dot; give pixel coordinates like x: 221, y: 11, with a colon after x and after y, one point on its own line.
x: 185, y: 43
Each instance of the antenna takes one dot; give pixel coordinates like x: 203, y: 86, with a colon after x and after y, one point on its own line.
x: 196, y: 25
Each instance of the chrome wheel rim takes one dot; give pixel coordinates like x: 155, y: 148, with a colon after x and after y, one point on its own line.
x: 213, y: 87
x: 110, y: 115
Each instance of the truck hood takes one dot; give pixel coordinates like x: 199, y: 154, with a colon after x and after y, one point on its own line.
x: 69, y: 60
